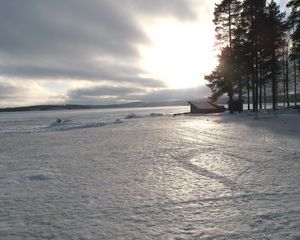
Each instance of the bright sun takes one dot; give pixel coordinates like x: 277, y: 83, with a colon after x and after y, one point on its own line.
x: 181, y: 53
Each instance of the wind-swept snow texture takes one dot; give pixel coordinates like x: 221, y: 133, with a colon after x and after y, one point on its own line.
x: 186, y: 177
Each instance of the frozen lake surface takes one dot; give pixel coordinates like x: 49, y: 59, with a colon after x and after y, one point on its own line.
x: 144, y: 174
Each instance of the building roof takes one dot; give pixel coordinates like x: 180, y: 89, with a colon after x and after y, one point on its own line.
x: 203, y: 104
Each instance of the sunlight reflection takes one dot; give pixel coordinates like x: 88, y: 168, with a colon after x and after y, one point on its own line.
x: 201, y: 123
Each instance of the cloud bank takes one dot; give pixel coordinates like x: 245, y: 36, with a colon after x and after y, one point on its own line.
x: 73, y: 40
x: 107, y: 95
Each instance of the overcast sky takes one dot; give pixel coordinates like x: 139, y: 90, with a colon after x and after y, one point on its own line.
x: 104, y: 51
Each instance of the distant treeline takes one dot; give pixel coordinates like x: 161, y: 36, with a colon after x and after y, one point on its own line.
x: 44, y: 108
x: 259, y: 54
x: 78, y: 107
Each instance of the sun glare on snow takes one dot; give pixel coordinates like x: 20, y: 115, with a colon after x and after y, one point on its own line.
x: 181, y: 54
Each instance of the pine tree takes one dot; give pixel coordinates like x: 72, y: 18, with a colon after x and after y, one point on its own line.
x: 225, y: 19
x: 285, y: 66
x: 253, y: 37
x: 220, y: 79
x: 273, y: 42
x: 253, y: 16
x: 242, y: 58
x: 294, y: 24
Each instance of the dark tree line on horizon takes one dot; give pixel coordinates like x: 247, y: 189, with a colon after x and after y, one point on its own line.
x: 259, y: 52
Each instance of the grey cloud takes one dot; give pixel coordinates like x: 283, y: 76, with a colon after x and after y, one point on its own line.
x: 72, y: 26
x: 105, y: 72
x: 55, y: 38
x: 8, y: 91
x: 101, y: 94
x: 102, y: 91
x: 180, y: 8
x: 176, y: 94
x: 109, y: 95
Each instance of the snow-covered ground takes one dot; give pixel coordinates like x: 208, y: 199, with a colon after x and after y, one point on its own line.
x: 144, y: 174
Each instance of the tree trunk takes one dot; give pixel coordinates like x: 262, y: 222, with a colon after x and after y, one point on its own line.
x: 274, y: 88
x: 283, y: 78
x: 256, y: 83
x: 248, y: 91
x: 229, y: 25
x: 230, y: 95
x: 287, y: 78
x: 260, y: 85
x: 265, y: 96
x: 295, y: 80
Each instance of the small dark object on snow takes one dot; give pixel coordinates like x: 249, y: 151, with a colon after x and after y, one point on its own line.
x: 235, y: 106
x: 58, y: 120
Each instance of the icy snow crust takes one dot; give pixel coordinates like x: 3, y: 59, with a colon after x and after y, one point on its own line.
x: 184, y: 177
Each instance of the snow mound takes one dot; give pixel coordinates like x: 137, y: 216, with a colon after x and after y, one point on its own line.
x: 67, y: 124
x: 39, y: 177
x: 117, y: 121
x: 156, y: 115
x: 133, y: 115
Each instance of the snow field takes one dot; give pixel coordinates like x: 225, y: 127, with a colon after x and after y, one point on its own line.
x: 184, y: 177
